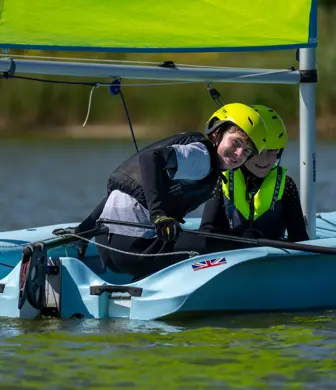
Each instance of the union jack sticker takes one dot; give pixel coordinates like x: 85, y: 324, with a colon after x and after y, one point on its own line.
x: 208, y: 263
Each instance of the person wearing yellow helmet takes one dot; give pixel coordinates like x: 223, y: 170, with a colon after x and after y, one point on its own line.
x: 259, y: 199
x: 238, y: 119
x: 232, y: 126
x: 166, y: 180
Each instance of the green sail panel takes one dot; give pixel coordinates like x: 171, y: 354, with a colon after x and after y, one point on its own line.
x: 158, y: 25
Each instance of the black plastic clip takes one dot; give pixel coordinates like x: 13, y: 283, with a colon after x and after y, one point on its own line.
x: 216, y: 96
x: 115, y: 88
x: 168, y: 64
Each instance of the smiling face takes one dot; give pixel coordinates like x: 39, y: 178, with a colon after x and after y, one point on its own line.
x: 261, y: 164
x: 233, y: 149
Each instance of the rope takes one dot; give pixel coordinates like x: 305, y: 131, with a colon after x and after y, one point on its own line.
x: 7, y: 265
x: 104, y: 84
x: 326, y: 220
x: 128, y: 119
x: 189, y: 253
x: 13, y: 245
x: 90, y: 101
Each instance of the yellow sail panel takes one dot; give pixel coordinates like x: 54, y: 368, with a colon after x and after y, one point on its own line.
x: 158, y: 25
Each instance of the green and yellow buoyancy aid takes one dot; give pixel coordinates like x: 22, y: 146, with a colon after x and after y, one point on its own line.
x: 252, y: 206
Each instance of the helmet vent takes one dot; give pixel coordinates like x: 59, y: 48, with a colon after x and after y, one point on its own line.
x: 250, y: 120
x: 274, y: 117
x: 281, y: 135
x: 213, y: 121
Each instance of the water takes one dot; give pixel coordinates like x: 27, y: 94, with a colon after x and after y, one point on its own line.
x: 61, y: 181
x: 54, y: 182
x: 270, y: 351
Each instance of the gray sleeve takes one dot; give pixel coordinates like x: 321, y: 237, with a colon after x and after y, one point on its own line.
x: 193, y: 162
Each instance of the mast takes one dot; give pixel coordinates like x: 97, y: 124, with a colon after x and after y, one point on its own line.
x: 308, y: 139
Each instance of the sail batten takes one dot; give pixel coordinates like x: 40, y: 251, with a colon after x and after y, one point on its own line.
x: 157, y: 25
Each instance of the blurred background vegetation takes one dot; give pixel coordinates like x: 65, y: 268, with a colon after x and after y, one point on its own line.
x: 30, y: 108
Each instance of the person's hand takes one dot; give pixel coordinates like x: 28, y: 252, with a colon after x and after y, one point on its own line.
x: 167, y: 228
x: 64, y: 231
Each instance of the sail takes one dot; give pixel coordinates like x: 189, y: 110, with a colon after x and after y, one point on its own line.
x: 158, y: 25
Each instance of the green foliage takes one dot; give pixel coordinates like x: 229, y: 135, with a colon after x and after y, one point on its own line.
x: 328, y: 3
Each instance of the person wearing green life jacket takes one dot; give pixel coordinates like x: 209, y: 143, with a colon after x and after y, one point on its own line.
x: 258, y: 200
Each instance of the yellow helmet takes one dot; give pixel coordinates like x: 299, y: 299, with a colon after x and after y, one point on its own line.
x: 243, y: 116
x: 277, y: 133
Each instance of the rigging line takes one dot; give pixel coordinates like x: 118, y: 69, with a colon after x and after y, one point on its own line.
x: 80, y: 59
x: 326, y: 229
x: 189, y: 253
x: 90, y: 100
x: 148, y: 84
x: 103, y: 84
x: 63, y: 234
x: 128, y: 119
x: 325, y: 220
x: 7, y: 265
x: 154, y: 84
x: 157, y: 84
x: 261, y: 73
x: 90, y: 83
x: 116, y: 61
x: 215, y: 95
x: 134, y: 62
x: 110, y: 61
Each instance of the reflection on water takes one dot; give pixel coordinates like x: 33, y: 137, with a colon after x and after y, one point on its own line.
x: 45, y: 183
x: 256, y: 351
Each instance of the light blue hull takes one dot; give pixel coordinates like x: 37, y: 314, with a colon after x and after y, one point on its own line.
x: 250, y: 279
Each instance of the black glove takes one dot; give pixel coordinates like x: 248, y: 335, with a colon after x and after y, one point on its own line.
x: 167, y: 228
x: 65, y: 231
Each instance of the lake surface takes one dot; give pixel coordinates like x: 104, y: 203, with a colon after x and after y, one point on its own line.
x: 48, y: 182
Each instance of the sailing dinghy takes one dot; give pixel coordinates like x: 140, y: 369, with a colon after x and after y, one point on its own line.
x: 44, y: 274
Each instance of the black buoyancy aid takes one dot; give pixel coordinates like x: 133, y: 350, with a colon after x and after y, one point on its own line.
x: 181, y: 196
x: 261, y: 209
